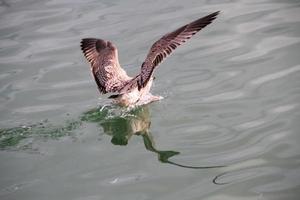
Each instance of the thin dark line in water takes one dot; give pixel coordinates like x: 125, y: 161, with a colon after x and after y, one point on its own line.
x: 194, y: 167
x: 218, y: 176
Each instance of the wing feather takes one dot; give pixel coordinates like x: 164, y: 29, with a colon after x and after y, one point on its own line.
x: 105, y: 67
x: 168, y: 43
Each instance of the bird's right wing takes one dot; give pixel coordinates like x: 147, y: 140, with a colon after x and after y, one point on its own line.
x: 105, y: 67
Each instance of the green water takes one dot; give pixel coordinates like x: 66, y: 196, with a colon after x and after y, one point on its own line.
x: 227, y: 128
x: 121, y: 125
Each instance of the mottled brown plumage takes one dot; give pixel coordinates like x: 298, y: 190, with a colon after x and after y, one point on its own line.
x: 111, y: 78
x: 103, y: 56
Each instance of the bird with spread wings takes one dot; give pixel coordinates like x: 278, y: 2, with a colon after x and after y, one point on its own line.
x: 112, y: 78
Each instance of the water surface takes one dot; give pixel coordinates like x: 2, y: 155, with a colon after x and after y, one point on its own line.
x: 228, y: 127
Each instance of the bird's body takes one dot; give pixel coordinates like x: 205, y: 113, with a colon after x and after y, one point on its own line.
x: 110, y: 76
x: 136, y: 96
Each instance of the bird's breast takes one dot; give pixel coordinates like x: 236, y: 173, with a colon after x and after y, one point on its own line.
x: 134, y: 96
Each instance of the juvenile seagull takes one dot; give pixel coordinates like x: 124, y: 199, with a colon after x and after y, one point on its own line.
x: 111, y: 77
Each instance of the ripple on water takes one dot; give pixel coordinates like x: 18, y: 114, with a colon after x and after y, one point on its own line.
x: 232, y: 98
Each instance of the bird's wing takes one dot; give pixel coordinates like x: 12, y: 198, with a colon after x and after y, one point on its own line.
x: 167, y: 44
x: 105, y: 67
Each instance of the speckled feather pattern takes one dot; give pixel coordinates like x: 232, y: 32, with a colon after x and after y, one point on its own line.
x: 111, y: 78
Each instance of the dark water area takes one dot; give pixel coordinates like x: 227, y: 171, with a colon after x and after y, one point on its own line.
x: 227, y: 128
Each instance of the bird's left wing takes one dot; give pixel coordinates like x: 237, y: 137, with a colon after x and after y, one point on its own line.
x: 167, y: 44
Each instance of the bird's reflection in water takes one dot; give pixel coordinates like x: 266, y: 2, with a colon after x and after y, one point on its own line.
x: 121, y: 125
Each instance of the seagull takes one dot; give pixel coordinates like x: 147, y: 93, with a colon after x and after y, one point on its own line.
x: 129, y: 91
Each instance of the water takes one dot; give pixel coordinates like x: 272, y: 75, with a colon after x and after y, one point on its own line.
x: 231, y: 103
